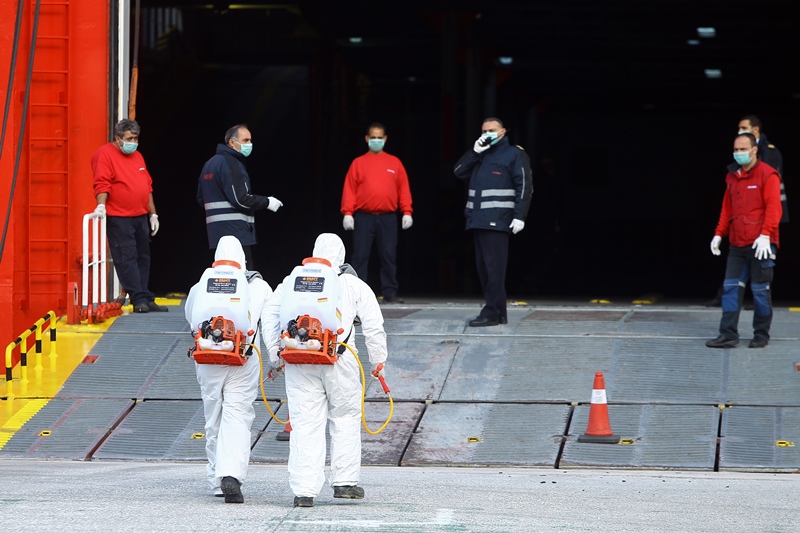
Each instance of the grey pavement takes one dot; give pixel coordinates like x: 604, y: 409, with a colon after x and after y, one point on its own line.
x: 157, y: 496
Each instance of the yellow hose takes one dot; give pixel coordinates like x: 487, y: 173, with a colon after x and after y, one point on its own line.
x: 264, y: 394
x: 363, y: 393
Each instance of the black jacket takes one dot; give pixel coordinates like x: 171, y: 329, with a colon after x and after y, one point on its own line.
x: 500, y: 186
x: 223, y: 190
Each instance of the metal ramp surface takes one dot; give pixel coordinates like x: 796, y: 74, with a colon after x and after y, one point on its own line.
x: 515, y: 394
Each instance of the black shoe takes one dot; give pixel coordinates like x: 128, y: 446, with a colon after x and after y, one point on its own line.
x: 155, y: 308
x: 722, y: 342
x: 503, y: 320
x: 392, y: 300
x: 759, y: 341
x: 141, y: 308
x: 303, y: 501
x: 714, y: 302
x: 482, y: 321
x: 232, y: 490
x: 351, y: 492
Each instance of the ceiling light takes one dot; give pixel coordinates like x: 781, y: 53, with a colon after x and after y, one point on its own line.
x: 505, y: 60
x: 707, y: 32
x: 713, y: 73
x: 355, y: 40
x: 693, y: 42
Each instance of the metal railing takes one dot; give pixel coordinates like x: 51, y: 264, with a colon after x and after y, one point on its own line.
x: 98, y: 266
x: 37, y: 329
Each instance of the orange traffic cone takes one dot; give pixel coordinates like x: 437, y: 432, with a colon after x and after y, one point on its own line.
x: 598, y: 430
x: 286, y: 433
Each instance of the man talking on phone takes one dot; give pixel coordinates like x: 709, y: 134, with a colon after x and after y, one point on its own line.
x: 500, y: 188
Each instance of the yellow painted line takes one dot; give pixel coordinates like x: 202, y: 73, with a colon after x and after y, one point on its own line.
x: 18, y: 419
x: 600, y: 301
x: 794, y: 309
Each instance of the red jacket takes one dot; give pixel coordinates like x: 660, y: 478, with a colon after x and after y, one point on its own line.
x: 751, y: 205
x: 376, y: 183
x: 124, y: 178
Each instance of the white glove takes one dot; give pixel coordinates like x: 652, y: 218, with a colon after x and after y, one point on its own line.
x: 479, y: 147
x: 274, y: 356
x: 153, y: 224
x: 378, y: 370
x: 762, y: 247
x: 407, y: 221
x: 516, y: 226
x: 715, y: 242
x: 348, y: 223
x: 99, y: 211
x: 274, y: 204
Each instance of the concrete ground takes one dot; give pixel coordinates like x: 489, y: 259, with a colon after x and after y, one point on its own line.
x: 171, y: 497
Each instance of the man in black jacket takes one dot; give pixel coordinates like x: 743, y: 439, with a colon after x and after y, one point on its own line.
x: 224, y: 192
x: 500, y: 189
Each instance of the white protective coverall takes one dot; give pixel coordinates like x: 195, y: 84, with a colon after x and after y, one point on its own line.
x: 229, y: 391
x: 328, y: 393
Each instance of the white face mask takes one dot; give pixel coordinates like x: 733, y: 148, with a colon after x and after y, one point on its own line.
x: 744, y: 131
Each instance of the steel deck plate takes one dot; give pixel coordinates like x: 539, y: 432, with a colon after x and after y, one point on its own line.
x: 488, y: 434
x: 677, y: 437
x: 760, y: 438
x: 75, y: 429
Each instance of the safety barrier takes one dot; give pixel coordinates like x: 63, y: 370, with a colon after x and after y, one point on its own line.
x: 37, y: 329
x: 99, y: 309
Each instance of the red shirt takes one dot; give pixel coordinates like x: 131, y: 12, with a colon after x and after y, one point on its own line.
x: 751, y: 205
x: 125, y: 179
x: 376, y: 183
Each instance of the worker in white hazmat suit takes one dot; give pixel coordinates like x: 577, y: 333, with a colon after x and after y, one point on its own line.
x: 229, y: 391
x: 322, y: 393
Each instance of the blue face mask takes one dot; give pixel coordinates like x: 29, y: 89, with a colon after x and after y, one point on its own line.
x: 376, y: 145
x: 247, y: 148
x: 741, y: 158
x: 491, y: 135
x: 129, y: 147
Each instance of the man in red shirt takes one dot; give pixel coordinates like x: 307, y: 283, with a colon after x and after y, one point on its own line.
x: 375, y: 188
x: 124, y: 192
x: 751, y: 212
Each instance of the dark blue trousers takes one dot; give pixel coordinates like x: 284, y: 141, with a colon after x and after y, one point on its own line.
x: 382, y: 230
x: 741, y: 266
x: 491, y: 260
x: 129, y: 242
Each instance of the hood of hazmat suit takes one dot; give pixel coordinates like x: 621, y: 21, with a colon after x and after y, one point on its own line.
x: 230, y: 249
x: 329, y: 246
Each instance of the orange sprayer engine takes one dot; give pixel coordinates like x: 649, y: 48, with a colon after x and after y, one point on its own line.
x: 218, y: 342
x: 305, y: 341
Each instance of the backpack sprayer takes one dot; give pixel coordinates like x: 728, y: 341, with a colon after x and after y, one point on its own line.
x: 218, y: 342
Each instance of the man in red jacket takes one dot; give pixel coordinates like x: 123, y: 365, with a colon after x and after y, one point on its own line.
x: 124, y: 192
x: 751, y: 212
x: 375, y: 188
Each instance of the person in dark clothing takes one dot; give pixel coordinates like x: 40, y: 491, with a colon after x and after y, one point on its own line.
x: 224, y: 192
x: 750, y: 216
x: 768, y: 153
x: 500, y: 188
